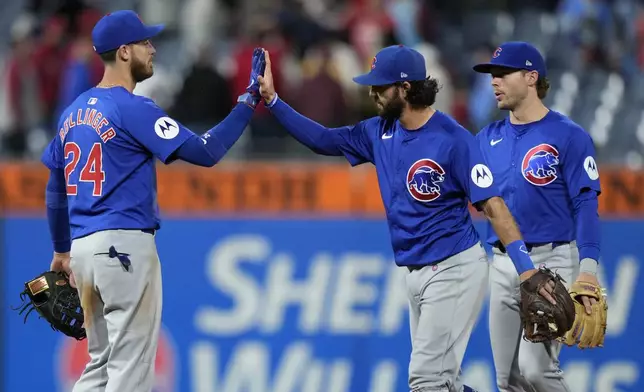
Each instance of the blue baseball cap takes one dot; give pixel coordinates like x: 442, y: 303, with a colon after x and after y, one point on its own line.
x: 121, y: 28
x: 517, y: 55
x: 393, y: 64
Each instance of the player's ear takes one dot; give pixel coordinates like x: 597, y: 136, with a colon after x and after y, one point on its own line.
x: 532, y: 78
x: 124, y: 52
x: 405, y: 86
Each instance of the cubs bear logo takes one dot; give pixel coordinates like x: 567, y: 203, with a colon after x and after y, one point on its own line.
x: 539, y: 166
x: 423, y: 180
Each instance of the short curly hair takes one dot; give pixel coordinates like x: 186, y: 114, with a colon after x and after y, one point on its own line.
x: 543, y: 85
x: 422, y: 93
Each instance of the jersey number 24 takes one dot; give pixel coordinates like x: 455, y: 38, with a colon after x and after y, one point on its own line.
x: 91, y: 172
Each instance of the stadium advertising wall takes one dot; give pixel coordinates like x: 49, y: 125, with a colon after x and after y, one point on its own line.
x: 275, y: 189
x: 294, y: 305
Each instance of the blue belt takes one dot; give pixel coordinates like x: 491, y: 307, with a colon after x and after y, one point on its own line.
x: 530, y: 246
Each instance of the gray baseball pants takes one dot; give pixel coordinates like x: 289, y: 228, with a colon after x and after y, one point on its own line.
x: 445, y: 301
x: 122, y: 310
x: 521, y: 365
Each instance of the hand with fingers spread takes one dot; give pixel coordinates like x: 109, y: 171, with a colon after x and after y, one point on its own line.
x: 252, y: 95
x: 266, y: 86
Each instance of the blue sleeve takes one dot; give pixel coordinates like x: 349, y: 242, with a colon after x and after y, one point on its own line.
x: 579, y: 168
x: 153, y: 128
x: 57, y: 213
x: 213, y: 145
x: 52, y: 156
x: 472, y: 171
x: 351, y: 141
x: 587, y: 225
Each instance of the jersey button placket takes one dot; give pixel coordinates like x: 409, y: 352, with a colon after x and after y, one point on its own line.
x: 398, y: 172
x: 513, y: 155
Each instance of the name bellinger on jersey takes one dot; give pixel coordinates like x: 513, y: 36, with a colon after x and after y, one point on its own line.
x: 115, y: 135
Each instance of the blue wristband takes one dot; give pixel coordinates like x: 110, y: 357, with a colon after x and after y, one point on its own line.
x: 518, y: 253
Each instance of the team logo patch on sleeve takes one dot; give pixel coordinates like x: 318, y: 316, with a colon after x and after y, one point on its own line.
x: 423, y: 180
x: 539, y: 166
x: 482, y: 176
x: 166, y: 128
x: 591, y: 168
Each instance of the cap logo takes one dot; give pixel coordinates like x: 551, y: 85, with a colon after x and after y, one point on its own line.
x: 528, y: 63
x: 403, y: 75
x: 497, y: 52
x: 373, y: 62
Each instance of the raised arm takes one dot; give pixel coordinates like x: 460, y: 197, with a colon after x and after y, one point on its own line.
x: 351, y: 141
x: 171, y: 140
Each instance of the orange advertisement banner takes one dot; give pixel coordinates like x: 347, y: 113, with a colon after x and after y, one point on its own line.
x: 278, y: 189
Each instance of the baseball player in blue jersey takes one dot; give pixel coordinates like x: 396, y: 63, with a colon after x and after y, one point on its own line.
x: 428, y: 168
x: 544, y: 165
x: 102, y: 202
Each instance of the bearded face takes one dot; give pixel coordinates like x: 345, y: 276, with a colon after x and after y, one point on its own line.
x: 141, y: 63
x: 389, y: 101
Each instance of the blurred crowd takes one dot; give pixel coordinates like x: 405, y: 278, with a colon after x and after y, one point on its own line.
x: 316, y: 47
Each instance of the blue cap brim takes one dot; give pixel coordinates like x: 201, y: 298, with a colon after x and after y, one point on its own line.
x: 483, y: 68
x: 487, y: 67
x: 153, y: 31
x: 370, y: 79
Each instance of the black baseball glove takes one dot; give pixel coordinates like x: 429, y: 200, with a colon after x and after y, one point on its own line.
x: 56, y: 301
x: 542, y: 321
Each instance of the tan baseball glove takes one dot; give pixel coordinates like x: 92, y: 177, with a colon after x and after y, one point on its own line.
x: 588, y: 330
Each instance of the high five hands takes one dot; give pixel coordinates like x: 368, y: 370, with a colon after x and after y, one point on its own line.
x: 266, y: 87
